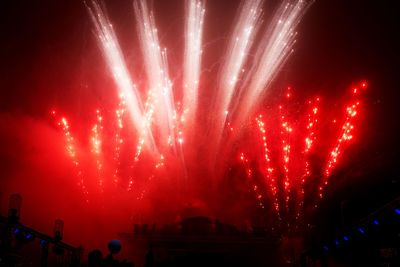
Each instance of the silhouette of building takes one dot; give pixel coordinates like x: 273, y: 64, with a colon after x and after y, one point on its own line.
x: 23, y: 246
x: 199, y: 241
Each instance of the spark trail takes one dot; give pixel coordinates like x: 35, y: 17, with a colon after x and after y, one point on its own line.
x: 269, y: 170
x: 345, y: 136
x: 272, y: 52
x: 116, y: 64
x: 249, y: 173
x: 71, y: 150
x: 311, y: 138
x: 242, y: 38
x: 119, y: 115
x: 96, y: 144
x: 155, y: 61
x: 286, y: 131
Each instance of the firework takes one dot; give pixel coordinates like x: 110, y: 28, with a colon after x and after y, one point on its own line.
x: 113, y: 56
x: 119, y: 115
x: 269, y: 170
x: 192, y: 61
x: 96, y: 144
x: 286, y: 131
x: 345, y: 136
x: 162, y: 125
x: 312, y: 121
x: 71, y: 150
x: 248, y: 23
x: 272, y: 52
x: 160, y: 86
x: 249, y: 174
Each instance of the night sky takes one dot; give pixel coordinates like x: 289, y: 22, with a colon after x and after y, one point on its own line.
x: 50, y: 59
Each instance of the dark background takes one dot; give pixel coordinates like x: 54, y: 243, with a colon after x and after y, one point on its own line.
x: 49, y: 57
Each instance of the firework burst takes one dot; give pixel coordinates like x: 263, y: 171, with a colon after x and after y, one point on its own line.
x: 160, y: 125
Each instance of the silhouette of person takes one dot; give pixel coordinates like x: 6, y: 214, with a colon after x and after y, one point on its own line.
x: 149, y: 258
x: 95, y: 258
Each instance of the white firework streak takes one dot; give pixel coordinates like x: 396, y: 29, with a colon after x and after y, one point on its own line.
x: 155, y: 60
x: 193, y: 37
x: 113, y: 56
x: 273, y: 51
x: 247, y: 25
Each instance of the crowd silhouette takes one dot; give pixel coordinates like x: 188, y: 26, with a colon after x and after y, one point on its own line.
x: 95, y: 258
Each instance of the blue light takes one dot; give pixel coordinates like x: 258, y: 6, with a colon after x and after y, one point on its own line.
x: 376, y: 222
x: 337, y: 243
x: 345, y: 238
x: 325, y: 248
x: 16, y: 230
x: 28, y: 236
x: 398, y: 211
x: 361, y: 230
x: 41, y: 242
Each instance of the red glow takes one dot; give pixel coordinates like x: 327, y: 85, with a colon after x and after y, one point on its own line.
x: 282, y: 181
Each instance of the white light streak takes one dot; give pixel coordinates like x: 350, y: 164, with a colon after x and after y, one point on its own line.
x: 192, y: 61
x: 272, y: 52
x: 247, y: 24
x: 115, y: 62
x: 155, y: 60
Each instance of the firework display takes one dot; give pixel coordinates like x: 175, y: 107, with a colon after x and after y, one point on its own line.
x: 151, y: 128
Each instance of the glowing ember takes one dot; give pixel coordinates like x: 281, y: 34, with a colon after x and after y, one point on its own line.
x: 249, y: 174
x: 312, y: 121
x: 286, y: 131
